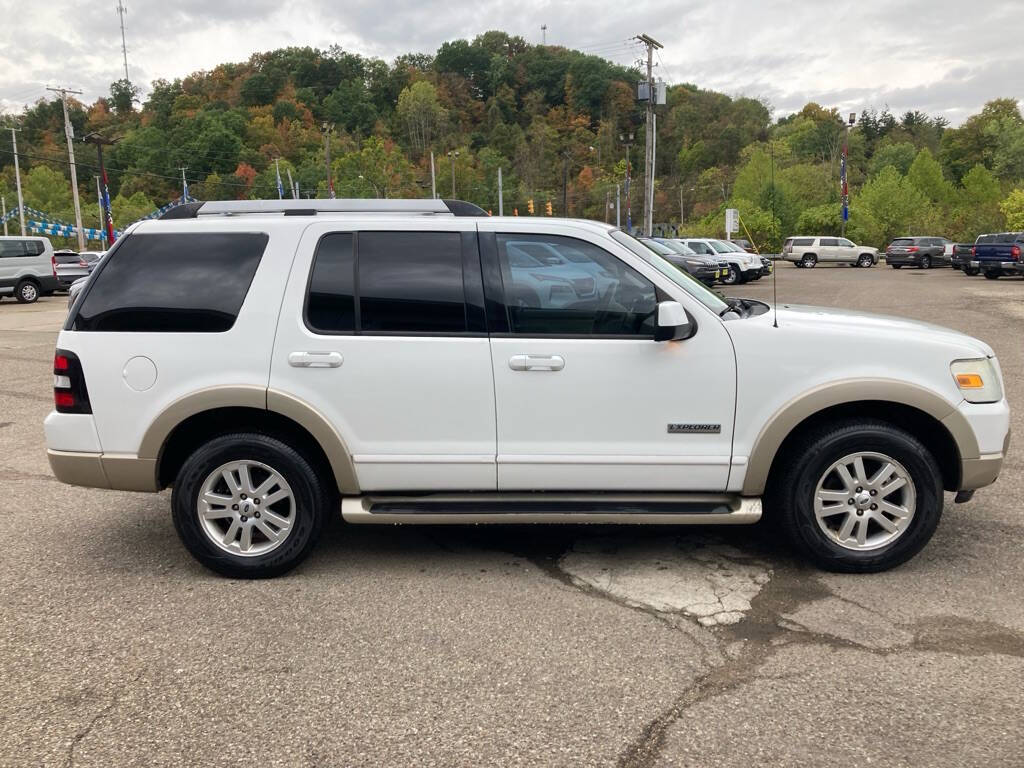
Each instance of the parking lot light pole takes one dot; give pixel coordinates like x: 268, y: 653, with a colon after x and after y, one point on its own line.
x: 108, y: 215
x: 843, y: 171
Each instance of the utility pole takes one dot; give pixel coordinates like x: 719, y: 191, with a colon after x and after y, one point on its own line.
x: 627, y: 139
x: 69, y: 134
x: 544, y: 34
x: 107, y: 214
x: 565, y: 184
x: 291, y: 185
x: 121, y: 11
x: 607, y: 204
x: 651, y: 44
x: 453, y: 154
x: 328, y: 129
x: 501, y: 198
x: 184, y: 184
x: 3, y: 203
x: 618, y: 208
x: 433, y: 181
x: 280, y: 187
x: 17, y: 180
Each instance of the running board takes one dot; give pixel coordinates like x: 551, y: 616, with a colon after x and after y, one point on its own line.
x: 472, y: 508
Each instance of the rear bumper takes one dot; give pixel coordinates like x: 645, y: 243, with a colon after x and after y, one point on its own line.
x: 1005, y: 266
x: 902, y: 260
x: 97, y: 470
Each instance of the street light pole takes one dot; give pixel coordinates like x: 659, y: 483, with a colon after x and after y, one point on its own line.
x: 843, y: 170
x: 452, y: 154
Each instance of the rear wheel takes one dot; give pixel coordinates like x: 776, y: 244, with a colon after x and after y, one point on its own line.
x: 26, y: 292
x: 971, y: 271
x: 895, y: 266
x: 993, y: 274
x: 249, y: 506
x: 859, y: 496
x: 809, y: 260
x: 926, y: 262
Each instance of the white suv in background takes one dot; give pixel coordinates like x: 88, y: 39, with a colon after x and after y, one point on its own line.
x: 279, y: 362
x: 810, y: 251
x: 743, y: 266
x: 27, y: 268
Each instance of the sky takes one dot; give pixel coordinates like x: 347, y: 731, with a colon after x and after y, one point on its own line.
x: 942, y: 57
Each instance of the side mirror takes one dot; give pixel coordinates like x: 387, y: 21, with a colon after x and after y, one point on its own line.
x: 673, y: 322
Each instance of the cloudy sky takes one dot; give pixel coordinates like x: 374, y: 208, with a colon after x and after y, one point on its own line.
x: 939, y: 56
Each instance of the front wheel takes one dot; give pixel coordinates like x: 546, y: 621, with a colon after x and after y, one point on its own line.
x: 859, y: 496
x: 865, y: 260
x: 732, y: 276
x: 249, y: 506
x: 971, y: 271
x: 26, y: 292
x: 993, y: 274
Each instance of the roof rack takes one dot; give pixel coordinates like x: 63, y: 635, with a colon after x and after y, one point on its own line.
x: 313, y: 207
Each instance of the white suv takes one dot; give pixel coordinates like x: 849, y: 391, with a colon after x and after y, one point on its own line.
x: 743, y: 266
x: 27, y: 268
x: 278, y: 361
x: 810, y: 251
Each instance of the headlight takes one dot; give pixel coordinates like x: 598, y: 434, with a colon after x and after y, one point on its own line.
x: 977, y: 380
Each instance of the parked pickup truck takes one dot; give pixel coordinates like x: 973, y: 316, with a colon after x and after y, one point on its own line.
x: 961, y: 258
x: 999, y: 254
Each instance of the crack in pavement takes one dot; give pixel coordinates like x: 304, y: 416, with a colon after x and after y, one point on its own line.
x: 114, y: 702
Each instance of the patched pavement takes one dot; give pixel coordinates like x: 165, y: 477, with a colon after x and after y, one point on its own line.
x: 513, y: 645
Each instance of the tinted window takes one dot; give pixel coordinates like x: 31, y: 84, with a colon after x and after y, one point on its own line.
x: 411, y: 282
x: 193, y: 282
x: 12, y: 248
x: 66, y: 258
x: 592, y: 294
x: 699, y: 247
x: 804, y: 241
x: 829, y: 241
x: 902, y: 241
x: 845, y: 243
x: 331, y: 304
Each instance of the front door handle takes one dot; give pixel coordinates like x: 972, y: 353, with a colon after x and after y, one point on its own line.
x: 536, y: 362
x: 315, y: 359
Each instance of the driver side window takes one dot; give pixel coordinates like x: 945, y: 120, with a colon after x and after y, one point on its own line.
x: 561, y: 286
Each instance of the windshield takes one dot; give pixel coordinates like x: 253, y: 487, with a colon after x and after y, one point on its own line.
x: 654, y: 245
x: 719, y: 246
x: 676, y: 247
x: 692, y: 286
x: 731, y: 246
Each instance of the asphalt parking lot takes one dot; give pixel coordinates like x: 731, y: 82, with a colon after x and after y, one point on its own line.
x: 509, y: 645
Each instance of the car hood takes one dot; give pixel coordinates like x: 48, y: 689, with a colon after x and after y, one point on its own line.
x: 883, y: 326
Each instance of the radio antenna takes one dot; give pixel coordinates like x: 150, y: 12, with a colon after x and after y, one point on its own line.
x: 775, y: 272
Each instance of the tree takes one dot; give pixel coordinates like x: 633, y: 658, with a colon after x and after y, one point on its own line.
x: 925, y: 175
x: 128, y: 210
x: 420, y: 112
x: 123, y: 96
x: 895, y: 205
x: 377, y: 169
x: 977, y: 209
x: 49, y: 191
x: 899, y: 155
x: 1013, y: 209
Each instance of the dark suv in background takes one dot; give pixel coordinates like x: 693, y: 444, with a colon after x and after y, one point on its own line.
x: 923, y: 252
x: 961, y: 258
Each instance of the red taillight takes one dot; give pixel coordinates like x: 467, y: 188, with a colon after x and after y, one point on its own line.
x: 974, y: 251
x: 63, y: 399
x: 1015, y: 253
x: 53, y: 265
x: 69, y: 392
x: 912, y: 249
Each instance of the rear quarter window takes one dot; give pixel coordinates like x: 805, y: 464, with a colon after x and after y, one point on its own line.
x: 13, y: 248
x: 180, y: 282
x: 803, y: 241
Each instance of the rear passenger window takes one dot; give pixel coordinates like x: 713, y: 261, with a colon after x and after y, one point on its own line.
x: 411, y: 282
x: 803, y: 241
x: 13, y: 248
x: 181, y: 282
x: 331, y: 305
x: 829, y: 241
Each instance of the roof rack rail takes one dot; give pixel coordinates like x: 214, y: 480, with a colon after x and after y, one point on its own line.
x: 313, y: 207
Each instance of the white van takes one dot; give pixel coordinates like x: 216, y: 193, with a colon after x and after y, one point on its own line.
x: 397, y: 361
x: 27, y: 269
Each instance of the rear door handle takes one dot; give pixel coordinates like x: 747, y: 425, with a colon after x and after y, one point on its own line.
x: 536, y: 362
x: 315, y: 359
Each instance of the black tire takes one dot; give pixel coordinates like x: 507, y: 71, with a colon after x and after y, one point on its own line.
x: 865, y: 260
x: 27, y: 292
x: 993, y: 274
x: 809, y: 260
x: 971, y: 271
x: 791, y: 494
x: 895, y: 266
x: 926, y: 262
x: 732, y: 276
x: 313, y: 500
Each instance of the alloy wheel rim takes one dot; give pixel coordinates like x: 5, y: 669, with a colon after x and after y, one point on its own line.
x: 246, y: 508
x: 28, y: 291
x: 864, y: 501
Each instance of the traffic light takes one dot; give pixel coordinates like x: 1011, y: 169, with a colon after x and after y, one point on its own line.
x: 529, y: 206
x: 548, y: 206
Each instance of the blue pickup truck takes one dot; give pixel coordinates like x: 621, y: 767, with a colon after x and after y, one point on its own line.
x: 999, y: 254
